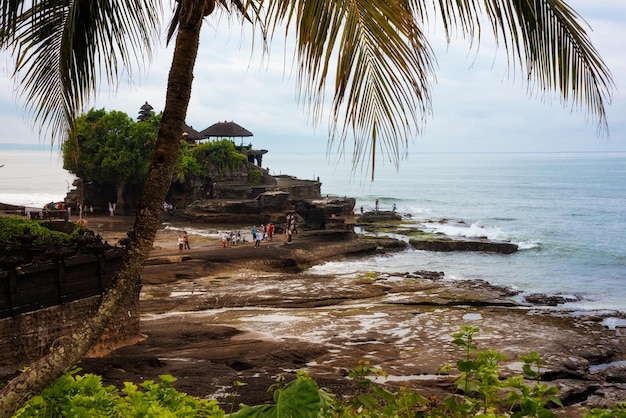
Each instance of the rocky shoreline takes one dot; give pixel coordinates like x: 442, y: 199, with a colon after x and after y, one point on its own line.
x: 212, y: 316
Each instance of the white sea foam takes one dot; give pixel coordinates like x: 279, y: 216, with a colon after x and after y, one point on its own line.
x: 193, y: 230
x: 458, y: 229
x: 527, y: 245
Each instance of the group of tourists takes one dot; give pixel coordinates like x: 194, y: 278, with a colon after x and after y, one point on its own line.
x: 55, y: 206
x: 262, y: 233
x: 232, y: 239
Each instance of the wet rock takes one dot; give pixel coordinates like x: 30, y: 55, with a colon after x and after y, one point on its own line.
x: 573, y: 391
x: 380, y: 216
x: 446, y: 244
x: 616, y: 373
x: 549, y: 300
x: 426, y: 274
x: 273, y: 322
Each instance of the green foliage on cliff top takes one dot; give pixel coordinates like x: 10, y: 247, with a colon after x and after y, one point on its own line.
x: 221, y: 153
x: 110, y: 147
x: 187, y: 164
x: 12, y: 227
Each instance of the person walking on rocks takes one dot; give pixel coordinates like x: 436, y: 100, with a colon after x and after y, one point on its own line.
x: 181, y: 242
x: 186, y: 240
x: 258, y: 238
x: 290, y: 227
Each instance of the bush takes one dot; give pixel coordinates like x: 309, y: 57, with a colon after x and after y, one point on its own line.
x: 254, y: 177
x: 73, y: 395
x: 11, y: 227
x: 220, y: 153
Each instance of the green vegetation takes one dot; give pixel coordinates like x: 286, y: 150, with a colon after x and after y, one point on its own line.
x: 480, y: 393
x: 111, y: 148
x: 12, y: 227
x: 254, y: 177
x: 73, y: 395
x: 368, y: 277
x: 187, y: 164
x: 221, y: 154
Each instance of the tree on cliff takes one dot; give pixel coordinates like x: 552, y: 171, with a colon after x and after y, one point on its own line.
x: 375, y: 51
x: 110, y: 148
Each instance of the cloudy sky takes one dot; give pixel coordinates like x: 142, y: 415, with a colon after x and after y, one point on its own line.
x: 476, y: 106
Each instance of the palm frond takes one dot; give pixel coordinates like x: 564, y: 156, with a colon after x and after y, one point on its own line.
x: 384, y: 65
x: 248, y: 11
x: 384, y: 62
x: 547, y: 39
x: 63, y: 48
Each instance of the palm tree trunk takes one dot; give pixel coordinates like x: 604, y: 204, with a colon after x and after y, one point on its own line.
x: 69, y: 350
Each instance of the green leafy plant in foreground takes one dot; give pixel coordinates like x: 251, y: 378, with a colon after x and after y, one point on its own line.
x: 480, y: 394
x: 484, y: 394
x: 76, y: 396
x: 299, y: 398
x: 616, y: 411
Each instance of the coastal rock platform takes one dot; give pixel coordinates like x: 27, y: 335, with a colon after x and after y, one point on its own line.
x: 212, y: 316
x: 444, y: 243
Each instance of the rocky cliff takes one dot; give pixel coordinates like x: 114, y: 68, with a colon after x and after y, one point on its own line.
x: 243, y: 194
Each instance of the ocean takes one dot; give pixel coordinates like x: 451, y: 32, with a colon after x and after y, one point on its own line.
x: 33, y: 177
x: 566, y: 211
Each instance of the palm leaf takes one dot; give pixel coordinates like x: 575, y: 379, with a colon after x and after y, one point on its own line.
x: 384, y: 63
x: 383, y: 68
x: 545, y: 38
x: 63, y: 48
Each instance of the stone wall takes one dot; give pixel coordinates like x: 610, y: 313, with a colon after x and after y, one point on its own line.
x: 29, y: 336
x: 42, y: 301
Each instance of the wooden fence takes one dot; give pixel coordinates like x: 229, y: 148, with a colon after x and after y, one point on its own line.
x: 37, y: 286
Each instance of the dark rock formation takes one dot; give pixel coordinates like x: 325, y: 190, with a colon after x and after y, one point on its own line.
x: 379, y: 216
x: 235, y: 201
x: 325, y: 213
x: 246, y: 194
x: 549, y: 300
x: 319, y: 213
x: 445, y: 243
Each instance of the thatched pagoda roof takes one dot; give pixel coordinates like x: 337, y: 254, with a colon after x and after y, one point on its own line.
x: 191, y: 133
x: 225, y: 130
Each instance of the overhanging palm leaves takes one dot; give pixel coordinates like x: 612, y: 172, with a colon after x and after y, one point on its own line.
x: 546, y: 38
x: 384, y: 63
x: 63, y: 47
x: 374, y: 53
